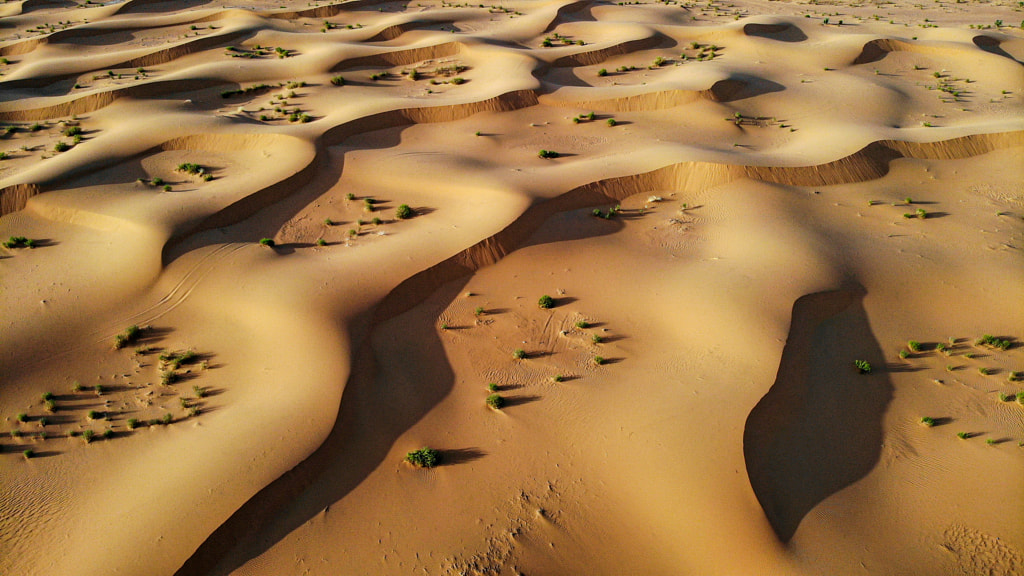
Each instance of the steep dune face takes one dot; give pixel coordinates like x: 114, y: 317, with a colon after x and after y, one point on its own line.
x: 257, y: 255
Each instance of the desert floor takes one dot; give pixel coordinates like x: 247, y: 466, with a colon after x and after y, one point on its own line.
x: 220, y: 339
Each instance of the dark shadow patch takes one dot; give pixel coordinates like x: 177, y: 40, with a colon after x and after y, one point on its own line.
x: 513, y: 401
x: 819, y: 427
x: 992, y: 46
x: 784, y: 32
x: 456, y: 456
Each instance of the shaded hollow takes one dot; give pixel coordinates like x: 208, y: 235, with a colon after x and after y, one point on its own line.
x: 819, y: 427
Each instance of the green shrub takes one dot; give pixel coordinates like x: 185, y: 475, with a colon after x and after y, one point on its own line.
x: 130, y: 335
x: 558, y: 378
x: 479, y: 311
x: 904, y: 354
x: 963, y: 435
x: 596, y: 339
x: 29, y: 454
x: 269, y: 242
x: 863, y: 366
x: 99, y: 389
x: 990, y: 441
x: 599, y: 360
x: 88, y: 436
x: 19, y: 242
x: 602, y: 72
x: 133, y: 423
x: 612, y: 122
x: 493, y: 386
x: 547, y: 154
x: 928, y: 421
x: 338, y: 81
x: 108, y: 434
x: 425, y: 457
x: 984, y: 371
x: 157, y: 181
x: 1015, y: 376
x: 190, y: 168
x: 582, y: 324
x: 61, y: 146
x: 22, y: 417
x: 546, y: 302
x: 404, y: 212
x: 1004, y: 397
x: 71, y: 131
x: 519, y: 354
x: 914, y: 346
x: 169, y: 377
x: 993, y: 342
x: 93, y: 415
x: 167, y: 419
x: 496, y: 401
x: 321, y: 242
x: 51, y: 405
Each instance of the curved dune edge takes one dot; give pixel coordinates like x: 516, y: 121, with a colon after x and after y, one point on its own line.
x: 155, y: 58
x: 875, y: 50
x: 726, y: 90
x: 594, y: 57
x: 270, y: 501
x: 97, y: 100
x: 807, y: 438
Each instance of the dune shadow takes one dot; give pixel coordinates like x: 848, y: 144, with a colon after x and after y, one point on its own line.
x: 810, y: 435
x: 992, y: 46
x: 781, y: 32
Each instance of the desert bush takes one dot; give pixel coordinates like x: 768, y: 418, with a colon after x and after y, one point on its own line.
x: 88, y: 435
x: 582, y: 324
x: 29, y: 454
x: 602, y: 72
x: 612, y: 122
x: 863, y: 366
x: 546, y: 302
x: 190, y: 168
x: 338, y: 81
x: 547, y: 154
x: 904, y: 354
x: 93, y: 415
x: 71, y: 131
x: 493, y: 386
x: 599, y: 360
x: 167, y: 419
x: 479, y: 311
x: 21, y: 417
x: 928, y: 421
x: 914, y: 346
x: 133, y: 423
x: 61, y: 146
x: 963, y: 435
x: 108, y: 434
x: 558, y: 378
x: 19, y: 242
x: 984, y: 371
x: 519, y: 354
x: 425, y: 457
x: 99, y: 389
x: 496, y: 401
x: 596, y: 338
x: 404, y: 212
x: 130, y: 335
x: 1015, y: 376
x: 993, y: 342
x: 51, y: 405
x: 990, y: 441
x: 269, y: 242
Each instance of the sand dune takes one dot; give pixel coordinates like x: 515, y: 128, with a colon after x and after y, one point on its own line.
x: 223, y: 334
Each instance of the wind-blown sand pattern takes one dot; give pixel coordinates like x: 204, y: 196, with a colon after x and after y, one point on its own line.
x: 745, y: 199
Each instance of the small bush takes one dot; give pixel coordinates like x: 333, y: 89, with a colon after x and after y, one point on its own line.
x: 157, y: 181
x: 98, y: 389
x: 928, y: 421
x: 993, y: 342
x: 404, y: 212
x: 493, y: 386
x: 599, y: 360
x: 130, y: 335
x: 22, y: 417
x: 914, y: 346
x: 133, y: 423
x: 88, y: 436
x: 963, y: 435
x: 93, y: 415
x: 28, y: 454
x: 1015, y: 376
x: 72, y: 131
x: 602, y: 72
x: 479, y: 311
x: 546, y: 302
x: 496, y: 401
x: 167, y: 419
x: 108, y: 434
x: 904, y: 354
x: 338, y: 81
x: 547, y: 154
x: 425, y: 457
x: 984, y: 371
x: 519, y: 354
x: 596, y: 338
x: 61, y: 146
x: 269, y: 242
x: 190, y: 168
x: 612, y: 122
x: 51, y: 405
x: 863, y: 366
x: 558, y: 378
x: 582, y: 324
x: 1004, y: 397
